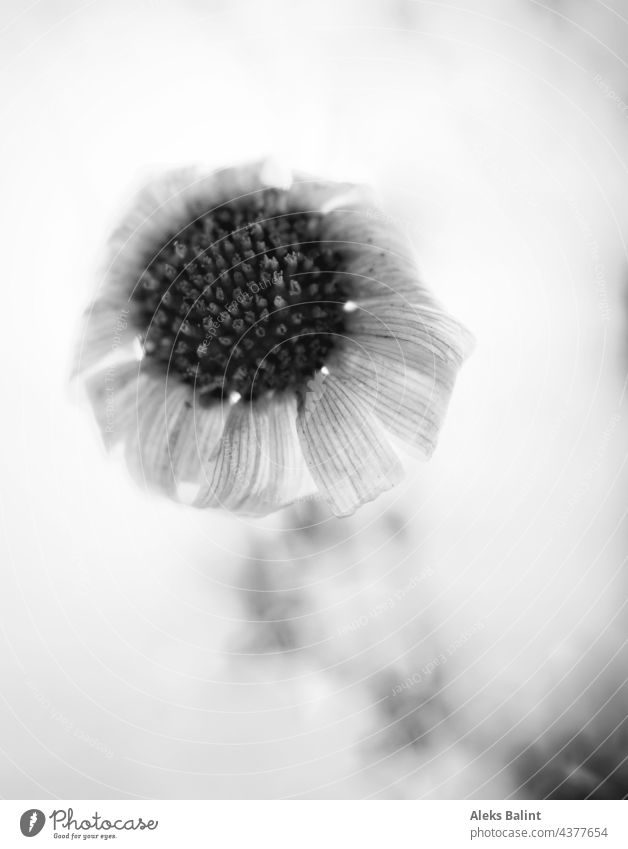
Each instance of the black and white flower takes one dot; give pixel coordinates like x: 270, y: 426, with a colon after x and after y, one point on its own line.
x: 252, y: 342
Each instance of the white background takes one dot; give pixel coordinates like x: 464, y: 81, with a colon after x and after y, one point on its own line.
x: 497, y: 134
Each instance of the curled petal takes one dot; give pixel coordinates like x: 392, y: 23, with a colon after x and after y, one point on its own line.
x: 394, y: 361
x: 377, y: 257
x: 112, y: 393
x: 405, y: 363
x: 179, y: 196
x: 421, y: 333
x: 348, y: 457
x: 173, y: 201
x: 200, y: 434
x: 157, y: 211
x: 309, y: 193
x: 238, y: 181
x: 107, y: 335
x: 256, y: 467
x: 162, y: 423
x: 411, y: 404
x: 165, y: 436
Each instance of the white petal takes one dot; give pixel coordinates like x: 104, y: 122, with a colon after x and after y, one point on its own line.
x: 162, y: 206
x: 257, y: 466
x: 155, y: 213
x: 107, y: 334
x: 176, y: 198
x: 167, y: 438
x: 197, y: 442
x: 421, y: 333
x: 238, y: 181
x: 308, y: 193
x: 349, y: 459
x: 411, y: 404
x: 405, y: 363
x: 112, y: 393
x: 163, y: 412
x: 378, y: 258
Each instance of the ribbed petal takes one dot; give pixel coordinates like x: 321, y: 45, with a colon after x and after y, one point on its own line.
x: 256, y: 467
x: 249, y: 457
x: 421, y: 333
x: 162, y: 421
x: 348, y: 457
x: 200, y: 434
x: 409, y: 403
x: 405, y: 362
x: 112, y: 393
x: 107, y: 335
x: 377, y: 257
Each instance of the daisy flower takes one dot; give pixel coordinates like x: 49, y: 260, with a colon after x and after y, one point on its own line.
x: 253, y: 340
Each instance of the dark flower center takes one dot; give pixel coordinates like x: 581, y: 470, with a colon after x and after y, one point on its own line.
x: 245, y: 299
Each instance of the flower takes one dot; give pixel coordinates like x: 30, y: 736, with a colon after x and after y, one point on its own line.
x: 252, y: 339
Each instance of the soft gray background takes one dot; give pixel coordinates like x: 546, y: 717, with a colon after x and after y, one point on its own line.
x: 137, y: 657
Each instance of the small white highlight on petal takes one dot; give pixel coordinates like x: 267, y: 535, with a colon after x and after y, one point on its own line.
x: 350, y: 306
x: 234, y: 397
x: 138, y: 350
x: 325, y: 370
